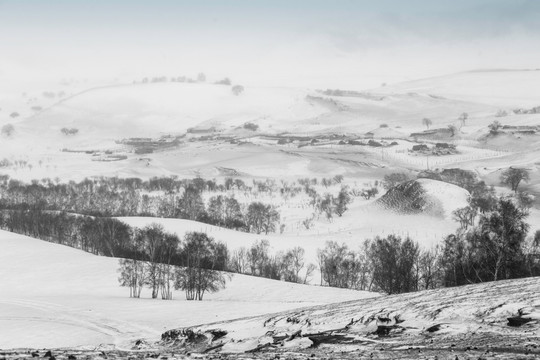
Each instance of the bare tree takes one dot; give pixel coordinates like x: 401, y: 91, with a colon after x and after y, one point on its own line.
x: 294, y: 263
x: 132, y: 275
x: 453, y: 129
x: 513, y: 176
x: 202, y: 258
x: 261, y: 217
x: 342, y: 201
x: 463, y: 118
x: 240, y: 261
x: 429, y: 269
x: 465, y: 216
x: 153, y: 236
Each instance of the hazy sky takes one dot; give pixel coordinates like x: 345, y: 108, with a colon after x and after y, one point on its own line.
x: 314, y: 43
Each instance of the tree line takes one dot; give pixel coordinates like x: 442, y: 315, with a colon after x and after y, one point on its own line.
x: 157, y: 197
x: 171, y: 197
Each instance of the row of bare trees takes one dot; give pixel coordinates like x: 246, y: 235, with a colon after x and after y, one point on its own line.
x: 130, y: 197
x: 257, y: 260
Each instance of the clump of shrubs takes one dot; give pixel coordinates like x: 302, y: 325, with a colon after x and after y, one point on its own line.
x: 7, y: 130
x: 69, y: 131
x: 237, y: 90
x: 225, y: 81
x: 501, y: 113
x: 251, y: 126
x: 374, y: 143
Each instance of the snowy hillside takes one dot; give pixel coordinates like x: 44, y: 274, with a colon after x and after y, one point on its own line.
x: 470, y: 320
x: 55, y: 296
x: 502, y: 88
x: 150, y: 110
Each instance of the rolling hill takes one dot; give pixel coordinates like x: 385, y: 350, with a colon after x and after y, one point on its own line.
x: 151, y: 110
x: 55, y: 296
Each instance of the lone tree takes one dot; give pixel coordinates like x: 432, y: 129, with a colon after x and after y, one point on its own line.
x: 237, y: 89
x: 427, y: 122
x: 513, y: 176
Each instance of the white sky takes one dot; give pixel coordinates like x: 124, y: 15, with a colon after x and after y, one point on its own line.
x: 315, y: 43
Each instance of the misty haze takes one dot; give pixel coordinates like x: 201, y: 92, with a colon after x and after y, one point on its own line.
x: 270, y: 179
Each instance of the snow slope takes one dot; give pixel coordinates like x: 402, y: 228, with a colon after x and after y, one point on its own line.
x: 442, y: 322
x: 55, y: 296
x: 502, y: 88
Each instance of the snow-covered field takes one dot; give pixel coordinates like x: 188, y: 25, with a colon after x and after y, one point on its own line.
x: 55, y: 296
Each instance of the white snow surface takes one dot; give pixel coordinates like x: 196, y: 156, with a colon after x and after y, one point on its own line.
x: 451, y: 197
x: 56, y: 296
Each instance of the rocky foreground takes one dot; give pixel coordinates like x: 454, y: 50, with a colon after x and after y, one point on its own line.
x: 499, y: 320
x: 485, y: 348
